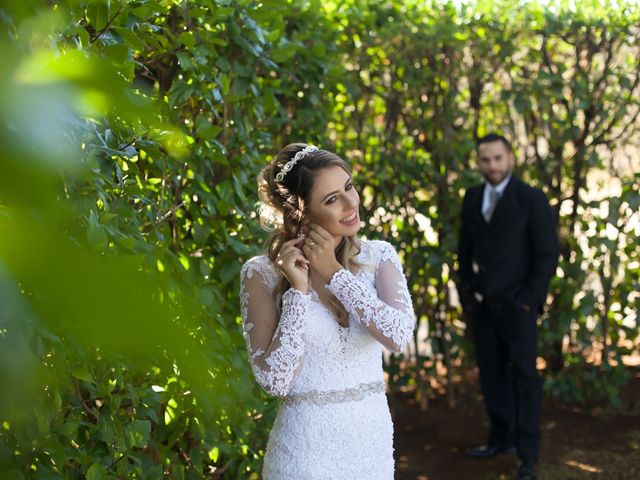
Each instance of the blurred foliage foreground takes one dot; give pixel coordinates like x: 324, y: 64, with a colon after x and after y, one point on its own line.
x: 131, y: 135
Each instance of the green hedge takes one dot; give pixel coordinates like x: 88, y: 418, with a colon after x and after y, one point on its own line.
x: 132, y: 133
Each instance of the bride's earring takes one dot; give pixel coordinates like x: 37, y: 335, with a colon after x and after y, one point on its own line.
x: 301, y: 228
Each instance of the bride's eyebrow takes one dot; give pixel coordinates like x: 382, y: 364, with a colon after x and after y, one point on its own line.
x: 335, y: 191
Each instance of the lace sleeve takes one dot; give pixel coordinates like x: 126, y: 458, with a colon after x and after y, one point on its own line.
x: 388, y: 316
x: 274, y: 341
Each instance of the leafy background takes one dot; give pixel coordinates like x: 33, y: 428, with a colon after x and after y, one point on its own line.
x: 132, y: 133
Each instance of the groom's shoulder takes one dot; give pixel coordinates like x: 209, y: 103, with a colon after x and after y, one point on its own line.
x: 527, y: 190
x: 475, y: 189
x: 472, y: 192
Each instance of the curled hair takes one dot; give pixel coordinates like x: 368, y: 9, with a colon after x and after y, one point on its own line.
x: 284, y: 206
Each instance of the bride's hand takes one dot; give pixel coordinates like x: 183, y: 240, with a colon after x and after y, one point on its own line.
x: 294, y: 265
x: 319, y: 248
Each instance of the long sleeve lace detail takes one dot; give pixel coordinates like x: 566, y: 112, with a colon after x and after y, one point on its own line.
x: 389, y: 315
x: 330, y: 378
x: 274, y: 341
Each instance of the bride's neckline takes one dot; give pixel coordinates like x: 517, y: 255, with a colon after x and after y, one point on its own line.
x: 315, y: 296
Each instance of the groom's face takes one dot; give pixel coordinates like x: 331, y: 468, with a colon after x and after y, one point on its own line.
x: 495, y: 161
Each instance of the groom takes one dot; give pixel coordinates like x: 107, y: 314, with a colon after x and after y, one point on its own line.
x: 507, y: 254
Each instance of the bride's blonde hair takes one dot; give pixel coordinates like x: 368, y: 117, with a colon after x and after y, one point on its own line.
x: 284, y: 205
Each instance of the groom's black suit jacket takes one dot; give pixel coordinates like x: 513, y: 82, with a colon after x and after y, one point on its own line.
x: 511, y: 259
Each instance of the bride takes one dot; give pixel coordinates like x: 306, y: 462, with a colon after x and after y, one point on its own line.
x: 317, y: 310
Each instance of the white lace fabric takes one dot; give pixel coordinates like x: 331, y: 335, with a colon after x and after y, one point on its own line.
x: 387, y: 313
x: 334, y: 421
x: 275, y: 345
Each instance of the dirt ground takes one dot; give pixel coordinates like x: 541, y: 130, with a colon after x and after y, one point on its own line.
x: 576, y: 444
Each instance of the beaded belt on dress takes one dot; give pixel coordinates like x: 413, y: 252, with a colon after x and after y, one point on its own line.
x: 335, y: 396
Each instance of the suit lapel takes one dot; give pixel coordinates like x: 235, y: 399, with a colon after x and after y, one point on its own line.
x: 477, y: 206
x: 506, y: 202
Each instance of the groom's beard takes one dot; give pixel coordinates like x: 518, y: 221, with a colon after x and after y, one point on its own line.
x: 494, y: 178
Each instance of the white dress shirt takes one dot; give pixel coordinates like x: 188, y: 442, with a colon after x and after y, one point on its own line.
x: 498, y: 188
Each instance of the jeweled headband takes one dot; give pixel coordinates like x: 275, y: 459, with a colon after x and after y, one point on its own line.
x: 296, y: 158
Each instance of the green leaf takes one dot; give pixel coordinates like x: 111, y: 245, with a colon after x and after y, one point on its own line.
x: 98, y: 14
x: 82, y: 373
x: 255, y: 50
x: 138, y: 433
x: 187, y: 39
x: 97, y: 472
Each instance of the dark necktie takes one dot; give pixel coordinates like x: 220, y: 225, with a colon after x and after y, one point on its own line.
x: 494, y: 196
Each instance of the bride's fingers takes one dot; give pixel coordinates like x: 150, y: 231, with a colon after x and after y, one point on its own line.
x: 293, y: 241
x: 309, y: 251
x: 314, y: 238
x: 283, y: 256
x: 314, y: 233
x: 292, y: 255
x: 300, y: 261
x: 320, y: 231
x: 292, y: 245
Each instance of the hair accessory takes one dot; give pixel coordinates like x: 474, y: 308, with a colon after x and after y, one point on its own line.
x: 296, y: 158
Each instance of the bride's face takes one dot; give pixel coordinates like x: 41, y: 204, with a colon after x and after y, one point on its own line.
x: 334, y: 201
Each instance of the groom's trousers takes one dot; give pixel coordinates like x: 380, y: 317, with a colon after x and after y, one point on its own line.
x: 506, y: 350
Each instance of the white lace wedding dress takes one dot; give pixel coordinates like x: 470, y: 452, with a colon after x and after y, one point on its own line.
x: 333, y: 422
